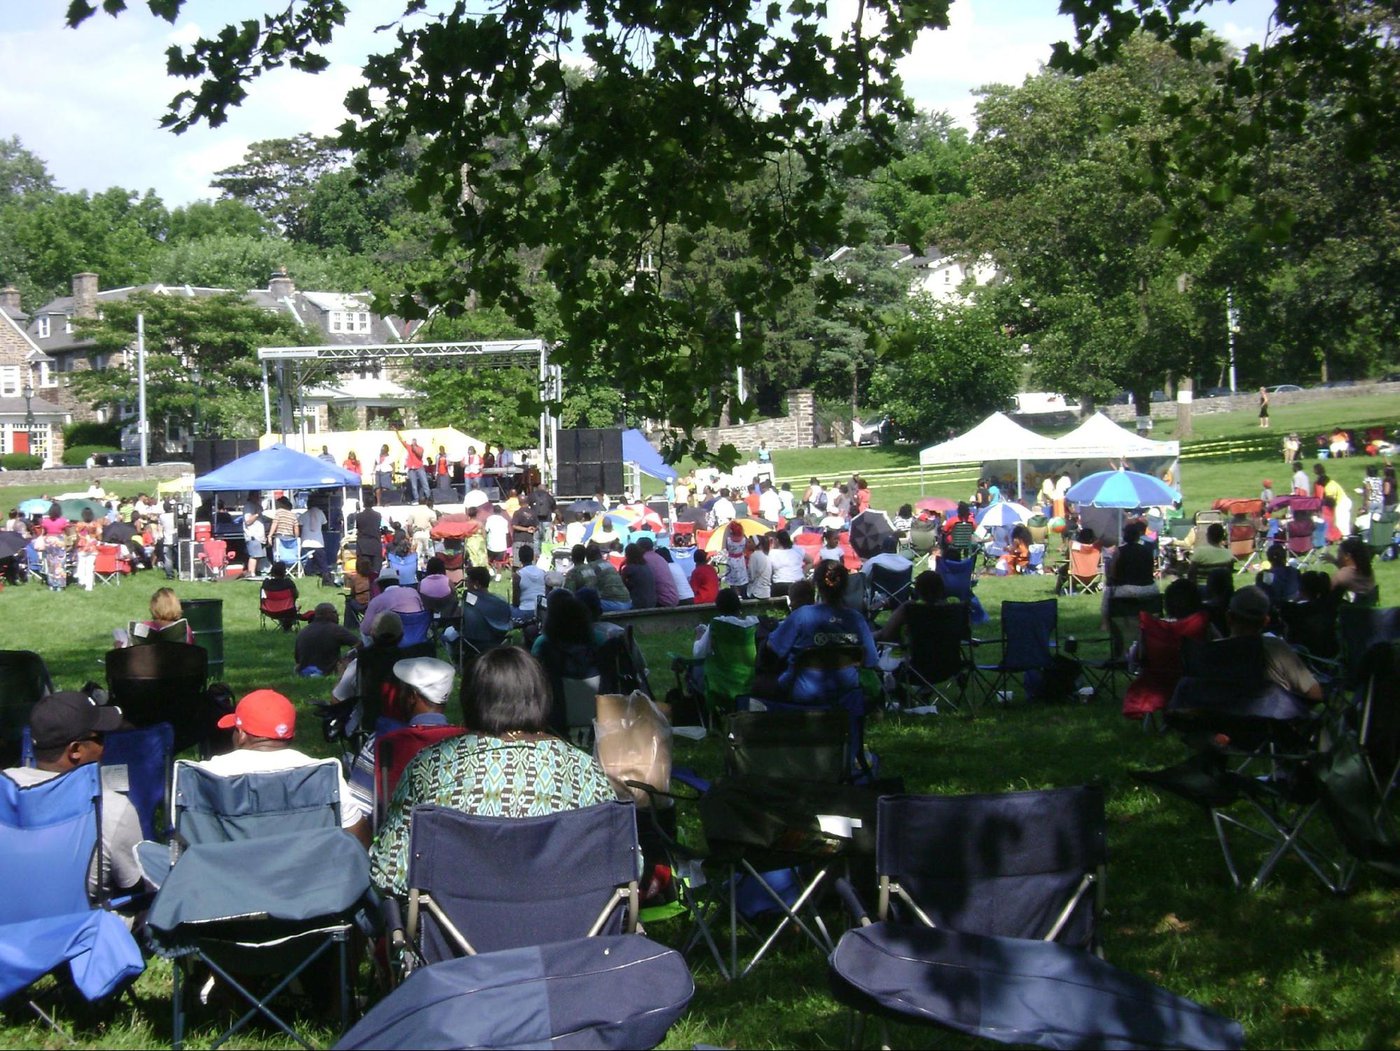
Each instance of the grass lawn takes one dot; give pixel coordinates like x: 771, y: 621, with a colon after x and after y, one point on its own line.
x: 1298, y: 966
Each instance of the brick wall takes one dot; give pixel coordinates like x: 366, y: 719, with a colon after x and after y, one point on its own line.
x: 796, y: 430
x: 1166, y: 410
x: 65, y: 479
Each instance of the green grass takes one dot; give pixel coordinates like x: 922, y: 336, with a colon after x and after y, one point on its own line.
x: 1298, y: 966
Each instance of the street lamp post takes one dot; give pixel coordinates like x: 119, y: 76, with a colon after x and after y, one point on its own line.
x: 29, y: 415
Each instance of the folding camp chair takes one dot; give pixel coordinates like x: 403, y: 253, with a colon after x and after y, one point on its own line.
x: 1159, y: 661
x: 393, y: 751
x: 1085, y: 569
x: 987, y: 925
x: 142, y: 759
x: 923, y: 542
x: 24, y: 681
x: 614, y: 991
x: 163, y: 682
x: 1255, y: 743
x: 287, y: 550
x: 213, y: 556
x: 890, y: 588
x: 809, y: 745
x: 1029, y: 638
x: 1381, y: 535
x: 482, y: 884
x: 1124, y: 628
x: 405, y: 568
x: 417, y: 628
x: 727, y: 673
x: 958, y: 583
x: 109, y: 567
x: 478, y: 632
x: 963, y: 545
x: 279, y: 607
x: 34, y: 564
x: 49, y: 835
x: 937, y: 655
x: 259, y: 884
x: 377, y: 688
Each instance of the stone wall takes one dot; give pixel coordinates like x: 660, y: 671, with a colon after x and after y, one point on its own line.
x: 1166, y: 410
x: 796, y: 430
x: 70, y: 479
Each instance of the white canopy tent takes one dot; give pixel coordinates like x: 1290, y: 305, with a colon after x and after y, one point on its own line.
x: 1100, y: 444
x: 997, y: 438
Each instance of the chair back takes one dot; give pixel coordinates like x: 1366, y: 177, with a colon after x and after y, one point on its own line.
x: 803, y: 745
x: 891, y: 586
x: 288, y: 550
x: 937, y: 635
x: 957, y: 577
x: 274, y: 603
x: 1284, y: 583
x: 144, y: 756
x: 405, y: 567
x: 1085, y: 562
x: 1236, y: 661
x: 106, y: 561
x: 214, y: 553
x: 48, y: 833
x: 393, y: 752
x: 961, y: 539
x: 162, y: 682
x: 1160, y: 648
x: 417, y: 628
x: 857, y: 593
x: 1124, y: 617
x: 923, y: 540
x: 208, y: 808
x: 1029, y: 633
x: 729, y: 668
x: 1017, y: 864
x: 378, y: 688
x: 1359, y: 628
x: 507, y: 882
x: 24, y: 681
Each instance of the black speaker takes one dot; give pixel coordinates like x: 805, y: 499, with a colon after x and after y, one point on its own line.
x: 612, y: 445
x: 211, y: 454
x: 612, y: 477
x: 566, y: 480
x: 590, y: 446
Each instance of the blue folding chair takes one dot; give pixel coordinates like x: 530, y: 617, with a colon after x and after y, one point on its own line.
x: 958, y: 583
x: 417, y: 628
x: 49, y: 835
x: 24, y: 681
x: 288, y: 551
x: 1029, y: 637
x: 482, y: 884
x: 988, y: 925
x: 405, y: 568
x: 259, y: 883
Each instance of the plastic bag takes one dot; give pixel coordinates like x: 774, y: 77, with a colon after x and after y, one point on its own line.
x: 632, y: 742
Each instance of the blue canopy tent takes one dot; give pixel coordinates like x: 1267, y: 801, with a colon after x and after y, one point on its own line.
x: 641, y: 457
x: 276, y: 467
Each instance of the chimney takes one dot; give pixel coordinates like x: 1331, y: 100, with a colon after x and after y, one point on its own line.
x: 85, y: 295
x: 9, y: 300
x: 280, y: 286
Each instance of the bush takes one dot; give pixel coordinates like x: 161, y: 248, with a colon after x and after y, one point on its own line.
x: 76, y: 455
x: 20, y: 462
x: 102, y: 435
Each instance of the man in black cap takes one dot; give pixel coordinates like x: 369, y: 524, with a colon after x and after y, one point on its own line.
x: 67, y: 729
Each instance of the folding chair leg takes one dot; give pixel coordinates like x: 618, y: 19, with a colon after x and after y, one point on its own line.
x: 260, y: 1004
x: 790, y: 916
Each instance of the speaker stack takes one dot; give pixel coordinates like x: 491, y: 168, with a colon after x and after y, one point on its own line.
x: 211, y: 454
x: 590, y: 461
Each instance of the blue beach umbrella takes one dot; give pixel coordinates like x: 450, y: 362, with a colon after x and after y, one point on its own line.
x: 1004, y: 513
x: 35, y: 506
x: 1122, y: 489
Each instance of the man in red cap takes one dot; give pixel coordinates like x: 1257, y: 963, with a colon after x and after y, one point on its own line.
x: 67, y: 730
x: 264, y: 724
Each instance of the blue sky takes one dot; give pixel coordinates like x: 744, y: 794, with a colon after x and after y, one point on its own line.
x: 89, y: 101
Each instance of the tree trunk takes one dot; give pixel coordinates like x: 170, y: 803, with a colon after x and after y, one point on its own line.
x: 1184, y: 392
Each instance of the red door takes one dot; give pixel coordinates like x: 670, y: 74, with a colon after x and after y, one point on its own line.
x: 21, y: 441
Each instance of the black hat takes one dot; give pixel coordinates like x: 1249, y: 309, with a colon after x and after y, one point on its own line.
x: 70, y: 716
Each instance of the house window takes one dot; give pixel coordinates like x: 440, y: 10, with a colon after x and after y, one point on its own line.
x: 46, y: 375
x: 9, y: 381
x: 68, y: 324
x: 363, y: 319
x: 42, y: 327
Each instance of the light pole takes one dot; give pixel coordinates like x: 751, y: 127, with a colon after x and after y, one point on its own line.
x: 29, y: 414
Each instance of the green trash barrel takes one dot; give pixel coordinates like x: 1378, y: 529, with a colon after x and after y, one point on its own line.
x: 206, y: 617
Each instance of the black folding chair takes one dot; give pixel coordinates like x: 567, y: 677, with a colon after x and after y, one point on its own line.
x: 24, y: 681
x: 483, y: 884
x: 937, y: 656
x: 258, y: 885
x: 1255, y: 745
x: 987, y: 925
x: 163, y: 682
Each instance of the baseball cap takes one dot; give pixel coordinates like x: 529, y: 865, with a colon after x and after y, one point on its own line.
x: 70, y: 716
x: 1250, y: 603
x: 428, y: 675
x: 263, y: 713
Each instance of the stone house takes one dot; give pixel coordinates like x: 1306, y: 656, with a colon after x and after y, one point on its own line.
x: 31, y: 417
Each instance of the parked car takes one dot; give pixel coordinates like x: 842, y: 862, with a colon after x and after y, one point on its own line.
x: 1285, y: 388
x: 1217, y: 392
x: 117, y: 459
x: 870, y: 432
x: 1338, y: 383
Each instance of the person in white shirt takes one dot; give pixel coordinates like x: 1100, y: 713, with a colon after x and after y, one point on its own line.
x: 786, y: 504
x: 770, y: 505
x: 313, y: 541
x: 528, y: 585
x: 264, y: 724
x: 788, y: 561
x: 722, y: 510
x: 497, y: 539
x: 760, y: 569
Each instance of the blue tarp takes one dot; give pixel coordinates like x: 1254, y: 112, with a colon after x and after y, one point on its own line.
x: 637, y: 450
x: 276, y: 467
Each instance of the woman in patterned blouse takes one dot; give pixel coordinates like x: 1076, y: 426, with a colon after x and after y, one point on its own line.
x: 508, y: 764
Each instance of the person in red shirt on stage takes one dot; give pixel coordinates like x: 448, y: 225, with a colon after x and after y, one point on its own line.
x: 413, y: 466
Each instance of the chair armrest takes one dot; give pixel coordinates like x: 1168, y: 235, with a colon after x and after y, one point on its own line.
x: 394, y: 927
x: 690, y: 779
x: 847, y: 893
